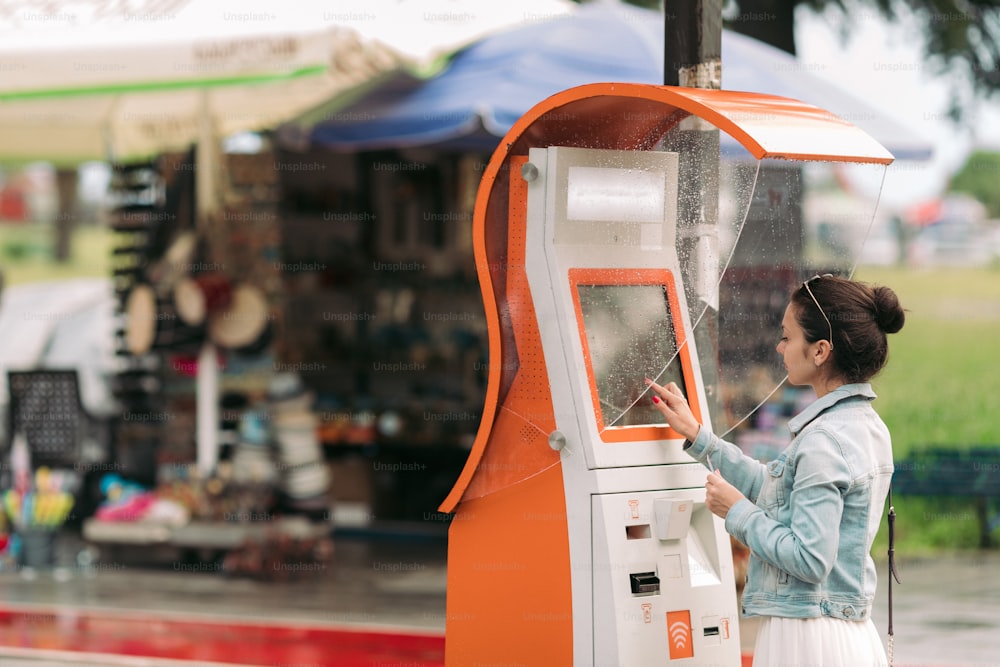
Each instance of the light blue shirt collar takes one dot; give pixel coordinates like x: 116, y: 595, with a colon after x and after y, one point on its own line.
x: 841, y: 393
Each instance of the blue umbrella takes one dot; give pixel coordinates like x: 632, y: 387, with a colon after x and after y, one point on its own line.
x: 492, y: 83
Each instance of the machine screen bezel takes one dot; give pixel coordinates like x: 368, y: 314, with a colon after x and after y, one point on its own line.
x: 638, y: 277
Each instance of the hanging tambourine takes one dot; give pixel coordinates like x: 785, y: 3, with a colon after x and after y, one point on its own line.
x: 244, y: 322
x: 140, y: 319
x: 151, y: 323
x: 199, y: 296
x: 176, y: 263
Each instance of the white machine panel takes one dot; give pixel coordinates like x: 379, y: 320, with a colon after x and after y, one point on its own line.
x: 603, y: 268
x: 662, y: 586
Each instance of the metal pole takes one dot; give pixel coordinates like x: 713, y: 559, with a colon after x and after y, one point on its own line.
x: 692, y: 54
x: 207, y: 188
x: 692, y: 58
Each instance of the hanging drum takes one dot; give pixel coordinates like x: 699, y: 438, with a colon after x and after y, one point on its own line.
x: 176, y: 263
x: 244, y: 323
x: 140, y: 319
x: 152, y: 324
x: 197, y: 297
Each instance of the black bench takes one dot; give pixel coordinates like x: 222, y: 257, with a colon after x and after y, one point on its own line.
x: 972, y: 472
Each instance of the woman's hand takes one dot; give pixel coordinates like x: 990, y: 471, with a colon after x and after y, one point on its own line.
x: 720, y: 495
x: 671, y: 402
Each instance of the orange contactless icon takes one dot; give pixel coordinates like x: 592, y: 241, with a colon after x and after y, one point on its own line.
x: 679, y: 634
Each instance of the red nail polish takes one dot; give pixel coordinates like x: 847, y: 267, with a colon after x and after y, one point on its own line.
x: 656, y: 399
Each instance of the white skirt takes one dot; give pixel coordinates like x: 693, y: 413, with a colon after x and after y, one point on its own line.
x: 818, y: 642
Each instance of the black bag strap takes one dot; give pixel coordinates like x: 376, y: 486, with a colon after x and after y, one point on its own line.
x: 893, y: 573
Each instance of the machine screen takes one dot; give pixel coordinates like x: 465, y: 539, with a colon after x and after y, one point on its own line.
x: 630, y: 336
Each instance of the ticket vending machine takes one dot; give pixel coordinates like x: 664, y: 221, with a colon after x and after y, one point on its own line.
x: 580, y: 534
x: 600, y: 256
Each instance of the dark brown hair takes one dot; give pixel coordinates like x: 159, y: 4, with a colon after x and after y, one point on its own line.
x: 860, y: 316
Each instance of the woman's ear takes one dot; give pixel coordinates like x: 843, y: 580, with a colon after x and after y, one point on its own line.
x: 821, y: 352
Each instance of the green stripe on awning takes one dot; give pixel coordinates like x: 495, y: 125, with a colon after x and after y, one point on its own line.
x: 160, y: 86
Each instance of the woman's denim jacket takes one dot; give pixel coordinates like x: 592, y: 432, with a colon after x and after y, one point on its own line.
x: 811, y: 514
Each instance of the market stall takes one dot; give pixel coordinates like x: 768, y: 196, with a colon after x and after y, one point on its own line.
x: 199, y: 274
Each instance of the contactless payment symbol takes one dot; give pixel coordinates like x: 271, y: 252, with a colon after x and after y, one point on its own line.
x: 679, y: 634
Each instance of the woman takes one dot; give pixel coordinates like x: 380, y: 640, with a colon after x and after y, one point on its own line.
x: 809, y: 517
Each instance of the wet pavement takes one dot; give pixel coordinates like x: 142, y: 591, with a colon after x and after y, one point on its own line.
x: 947, y: 611
x: 45, y: 659
x: 366, y: 583
x: 393, y: 588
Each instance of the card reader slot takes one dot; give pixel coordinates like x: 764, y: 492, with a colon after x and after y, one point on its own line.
x: 644, y: 583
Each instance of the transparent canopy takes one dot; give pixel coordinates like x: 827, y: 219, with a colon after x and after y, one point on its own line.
x: 745, y: 241
x: 755, y: 216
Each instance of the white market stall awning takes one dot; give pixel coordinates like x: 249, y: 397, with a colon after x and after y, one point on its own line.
x: 100, y: 79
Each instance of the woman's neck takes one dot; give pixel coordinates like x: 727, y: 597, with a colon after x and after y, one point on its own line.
x: 826, y: 385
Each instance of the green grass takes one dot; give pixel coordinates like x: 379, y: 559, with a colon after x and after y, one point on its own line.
x: 941, y: 387
x: 27, y: 250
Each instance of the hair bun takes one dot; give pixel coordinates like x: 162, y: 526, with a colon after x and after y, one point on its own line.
x: 889, y: 315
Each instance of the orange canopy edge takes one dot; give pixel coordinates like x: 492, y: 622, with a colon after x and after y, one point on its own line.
x: 768, y: 126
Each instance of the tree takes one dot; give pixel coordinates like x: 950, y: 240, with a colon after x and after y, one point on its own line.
x: 961, y: 37
x: 978, y: 177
